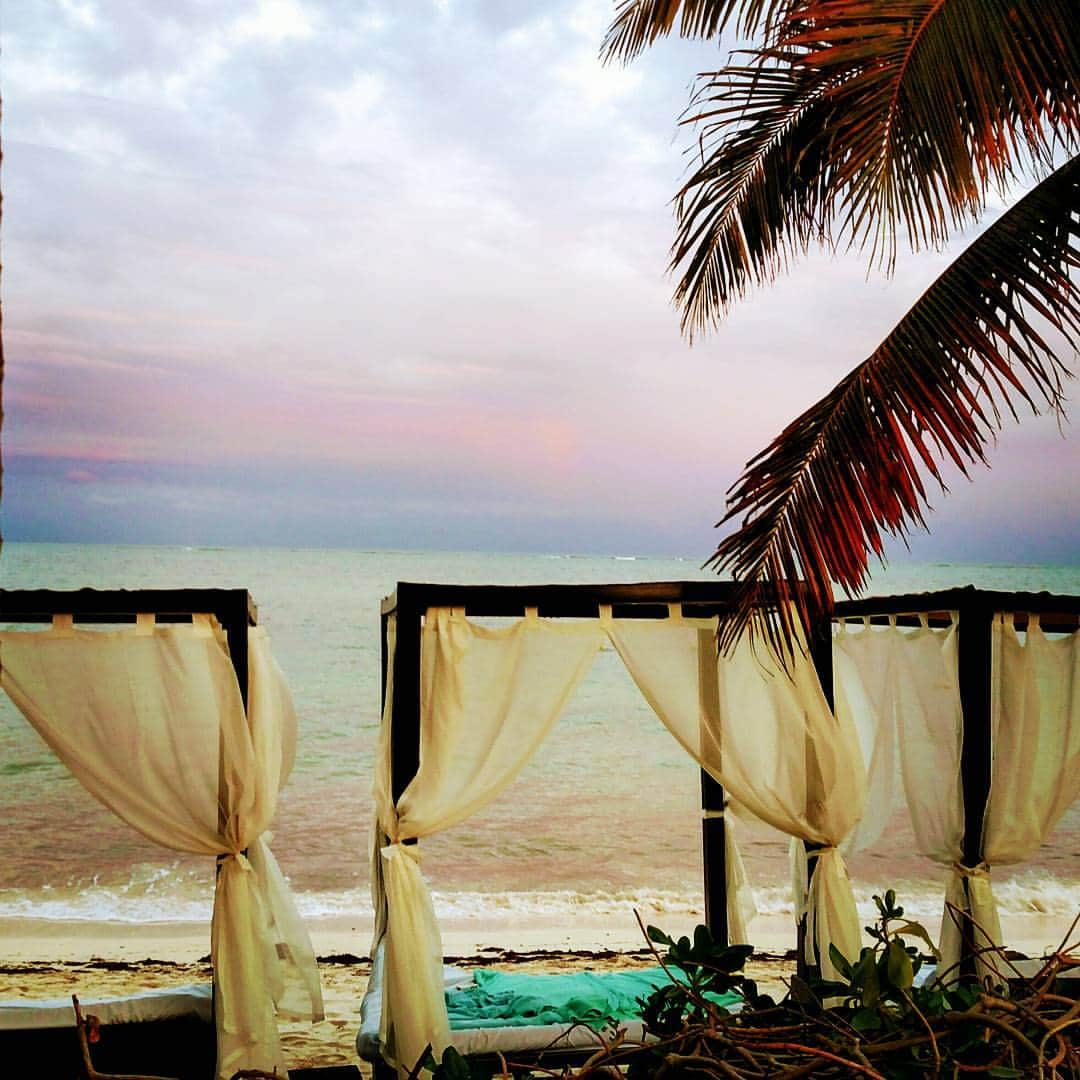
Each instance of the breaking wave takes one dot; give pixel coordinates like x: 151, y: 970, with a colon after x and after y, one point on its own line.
x: 171, y: 894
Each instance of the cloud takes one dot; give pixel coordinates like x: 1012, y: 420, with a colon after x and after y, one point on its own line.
x: 319, y: 260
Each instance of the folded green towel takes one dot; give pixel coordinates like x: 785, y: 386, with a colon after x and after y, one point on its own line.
x: 510, y: 999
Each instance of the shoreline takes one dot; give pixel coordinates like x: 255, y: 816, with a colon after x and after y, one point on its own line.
x: 47, y: 960
x: 27, y: 939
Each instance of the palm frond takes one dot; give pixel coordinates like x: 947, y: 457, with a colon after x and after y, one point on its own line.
x: 639, y: 23
x: 936, y: 101
x: 759, y: 194
x: 929, y: 104
x: 824, y: 494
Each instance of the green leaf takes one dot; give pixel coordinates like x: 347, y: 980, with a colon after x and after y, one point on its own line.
x: 898, y: 965
x: 917, y: 930
x: 454, y: 1066
x: 703, y: 942
x: 866, y: 1020
x: 658, y: 936
x: 871, y: 987
x: 840, y: 962
x: 732, y: 958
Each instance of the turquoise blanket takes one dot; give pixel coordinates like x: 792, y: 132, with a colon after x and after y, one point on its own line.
x: 510, y: 999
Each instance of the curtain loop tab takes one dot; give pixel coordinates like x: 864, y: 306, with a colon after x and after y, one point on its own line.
x: 63, y: 622
x: 532, y: 614
x: 1033, y: 621
x: 674, y: 611
x: 604, y: 613
x: 145, y: 622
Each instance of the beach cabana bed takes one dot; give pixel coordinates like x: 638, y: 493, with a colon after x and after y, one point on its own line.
x: 178, y: 719
x: 973, y: 697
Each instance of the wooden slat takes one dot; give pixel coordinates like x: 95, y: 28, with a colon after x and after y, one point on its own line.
x: 122, y: 605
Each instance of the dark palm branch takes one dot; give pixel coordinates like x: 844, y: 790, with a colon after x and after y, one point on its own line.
x: 820, y: 499
x: 759, y: 195
x: 885, y: 119
x: 639, y: 23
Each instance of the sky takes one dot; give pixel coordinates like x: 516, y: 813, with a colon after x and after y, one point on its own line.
x: 393, y: 275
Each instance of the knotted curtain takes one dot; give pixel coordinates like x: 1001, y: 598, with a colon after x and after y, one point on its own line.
x: 1035, y: 740
x: 489, y: 697
x: 767, y: 735
x: 150, y: 720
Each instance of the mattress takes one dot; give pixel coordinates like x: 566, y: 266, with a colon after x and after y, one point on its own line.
x: 491, y: 1038
x: 147, y: 1006
x: 156, y: 1032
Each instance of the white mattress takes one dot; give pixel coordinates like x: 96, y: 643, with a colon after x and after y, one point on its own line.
x: 1025, y: 969
x: 167, y: 1004
x: 481, y: 1040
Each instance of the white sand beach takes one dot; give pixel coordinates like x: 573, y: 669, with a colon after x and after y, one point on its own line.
x: 48, y: 959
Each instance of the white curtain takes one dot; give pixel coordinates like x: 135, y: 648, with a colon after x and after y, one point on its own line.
x: 769, y: 738
x: 901, y: 687
x: 864, y: 679
x: 488, y: 698
x: 1035, y: 740
x: 150, y: 720
x: 1036, y: 727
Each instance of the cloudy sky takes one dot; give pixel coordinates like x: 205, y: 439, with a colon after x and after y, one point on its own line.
x: 309, y: 272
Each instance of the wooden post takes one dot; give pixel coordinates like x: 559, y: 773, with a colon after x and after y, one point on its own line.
x: 235, y: 624
x: 974, y: 653
x: 820, y: 644
x: 714, y: 859
x: 405, y: 710
x: 714, y: 854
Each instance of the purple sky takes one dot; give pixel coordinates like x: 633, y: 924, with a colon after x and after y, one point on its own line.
x: 392, y: 275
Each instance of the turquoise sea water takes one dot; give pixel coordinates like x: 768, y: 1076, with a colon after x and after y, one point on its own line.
x: 607, y: 813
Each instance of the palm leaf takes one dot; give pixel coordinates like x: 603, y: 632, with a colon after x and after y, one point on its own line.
x: 936, y: 100
x: 890, y: 119
x: 760, y: 193
x: 824, y: 494
x: 639, y: 23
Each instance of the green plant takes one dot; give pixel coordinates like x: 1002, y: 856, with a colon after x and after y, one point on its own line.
x: 708, y: 968
x: 875, y: 1022
x: 880, y: 985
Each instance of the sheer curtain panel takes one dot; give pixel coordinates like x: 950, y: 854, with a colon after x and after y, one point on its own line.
x: 901, y: 687
x: 1035, y: 775
x: 488, y: 698
x: 769, y: 738
x: 150, y: 720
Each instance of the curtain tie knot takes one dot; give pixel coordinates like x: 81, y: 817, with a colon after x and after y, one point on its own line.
x: 825, y: 850
x: 240, y: 858
x: 398, y: 849
x: 981, y: 870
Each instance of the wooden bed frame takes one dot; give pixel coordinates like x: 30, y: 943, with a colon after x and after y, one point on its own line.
x: 704, y: 599
x: 186, y: 1047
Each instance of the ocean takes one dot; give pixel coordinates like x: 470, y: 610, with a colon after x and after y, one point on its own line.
x: 605, y: 819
